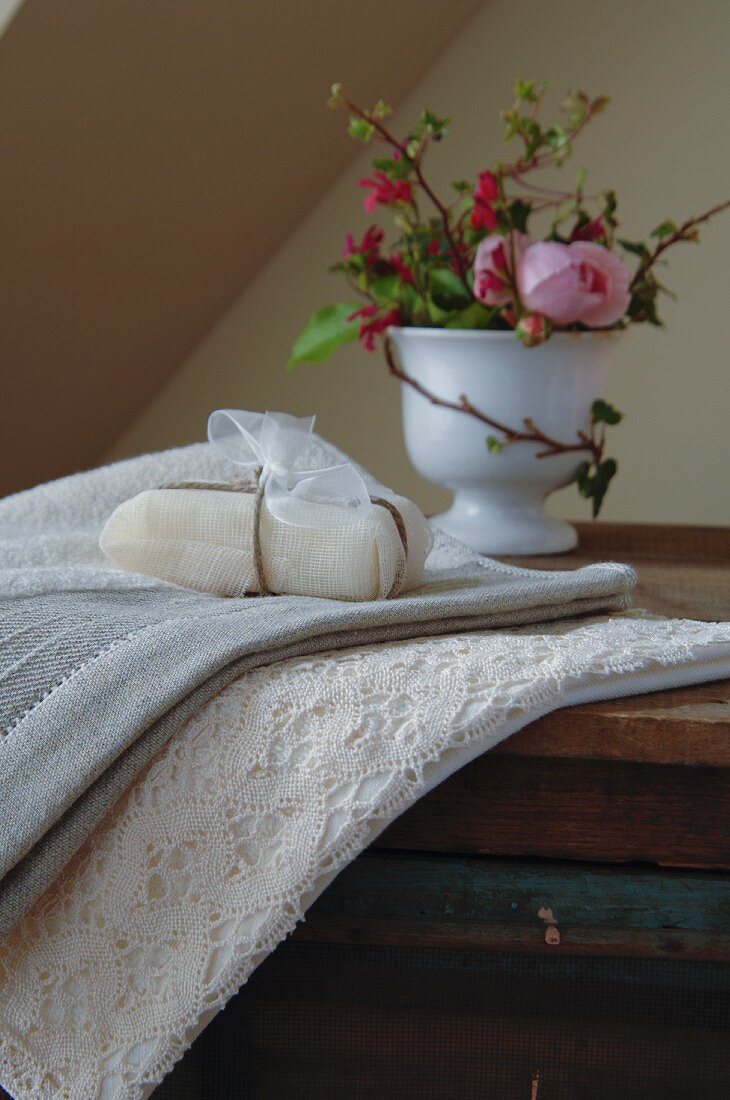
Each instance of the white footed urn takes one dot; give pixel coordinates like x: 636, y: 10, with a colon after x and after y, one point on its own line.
x: 499, y: 498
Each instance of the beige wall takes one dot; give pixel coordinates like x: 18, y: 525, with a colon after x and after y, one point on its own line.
x: 663, y: 145
x: 154, y: 154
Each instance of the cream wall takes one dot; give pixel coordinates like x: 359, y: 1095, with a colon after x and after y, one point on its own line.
x: 662, y: 144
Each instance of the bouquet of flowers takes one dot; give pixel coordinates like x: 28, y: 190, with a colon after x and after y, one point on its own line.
x: 476, y: 261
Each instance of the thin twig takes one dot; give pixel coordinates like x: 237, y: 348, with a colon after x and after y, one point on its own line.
x: 529, y: 434
x: 554, y: 192
x: 679, y: 234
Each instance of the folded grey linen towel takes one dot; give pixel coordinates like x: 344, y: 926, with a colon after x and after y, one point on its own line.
x: 99, y: 668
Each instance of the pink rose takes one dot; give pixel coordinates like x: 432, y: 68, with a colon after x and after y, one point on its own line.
x: 581, y: 281
x: 492, y: 266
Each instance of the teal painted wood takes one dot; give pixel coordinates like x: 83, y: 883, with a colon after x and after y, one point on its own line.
x: 501, y: 891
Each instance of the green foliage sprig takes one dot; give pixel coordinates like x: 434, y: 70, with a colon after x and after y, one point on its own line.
x: 435, y: 274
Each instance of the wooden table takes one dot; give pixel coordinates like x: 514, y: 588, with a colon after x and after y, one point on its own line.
x: 561, y: 906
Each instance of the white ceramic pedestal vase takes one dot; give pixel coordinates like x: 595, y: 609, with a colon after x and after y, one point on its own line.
x: 499, y: 499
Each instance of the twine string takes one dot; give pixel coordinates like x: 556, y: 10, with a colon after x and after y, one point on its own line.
x: 254, y: 484
x: 400, y: 573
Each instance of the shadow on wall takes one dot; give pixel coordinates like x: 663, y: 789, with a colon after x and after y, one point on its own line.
x: 158, y: 154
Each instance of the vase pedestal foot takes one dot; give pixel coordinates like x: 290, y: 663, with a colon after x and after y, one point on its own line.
x: 509, y: 520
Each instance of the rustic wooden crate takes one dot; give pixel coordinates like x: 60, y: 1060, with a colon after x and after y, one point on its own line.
x: 424, y: 970
x: 334, y: 1022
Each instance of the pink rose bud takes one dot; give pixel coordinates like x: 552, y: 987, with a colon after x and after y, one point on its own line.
x: 582, y: 281
x: 492, y: 266
x: 533, y: 329
x: 589, y: 231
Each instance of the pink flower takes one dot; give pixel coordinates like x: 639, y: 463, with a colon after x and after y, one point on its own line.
x: 487, y: 190
x: 385, y: 191
x: 492, y: 265
x: 581, y: 281
x: 369, y: 246
x: 371, y: 324
x: 483, y: 215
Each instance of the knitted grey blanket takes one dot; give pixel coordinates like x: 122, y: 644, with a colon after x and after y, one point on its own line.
x: 99, y: 668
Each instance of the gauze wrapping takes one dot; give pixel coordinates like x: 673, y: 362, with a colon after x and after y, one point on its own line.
x: 203, y: 539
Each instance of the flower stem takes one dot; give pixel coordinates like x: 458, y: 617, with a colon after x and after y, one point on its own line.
x: 402, y: 148
x: 680, y: 234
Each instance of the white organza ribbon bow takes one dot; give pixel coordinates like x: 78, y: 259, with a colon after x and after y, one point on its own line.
x: 271, y: 444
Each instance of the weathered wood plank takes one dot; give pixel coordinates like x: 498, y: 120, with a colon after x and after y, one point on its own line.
x: 689, y: 726
x: 603, y: 810
x: 400, y: 900
x: 511, y: 891
x: 655, y: 540
x: 477, y: 936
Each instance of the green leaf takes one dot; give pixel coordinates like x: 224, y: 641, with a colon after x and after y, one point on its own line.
x: 394, y: 169
x: 494, y: 445
x: 608, y: 207
x: 593, y: 481
x: 513, y: 123
x: 447, y: 289
x: 430, y: 121
x: 325, y: 330
x: 638, y: 248
x: 437, y: 315
x: 384, y: 289
x: 475, y: 316
x: 382, y: 109
x: 643, y: 304
x: 525, y: 89
x: 603, y: 412
x: 582, y: 478
x: 519, y: 212
x: 556, y: 137
x: 576, y: 105
x: 533, y: 136
x: 360, y: 129
x: 665, y: 229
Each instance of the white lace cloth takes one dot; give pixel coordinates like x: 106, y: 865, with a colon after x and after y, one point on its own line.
x: 249, y: 812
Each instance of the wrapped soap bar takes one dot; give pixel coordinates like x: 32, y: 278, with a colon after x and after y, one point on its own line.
x: 203, y: 538
x: 277, y: 529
